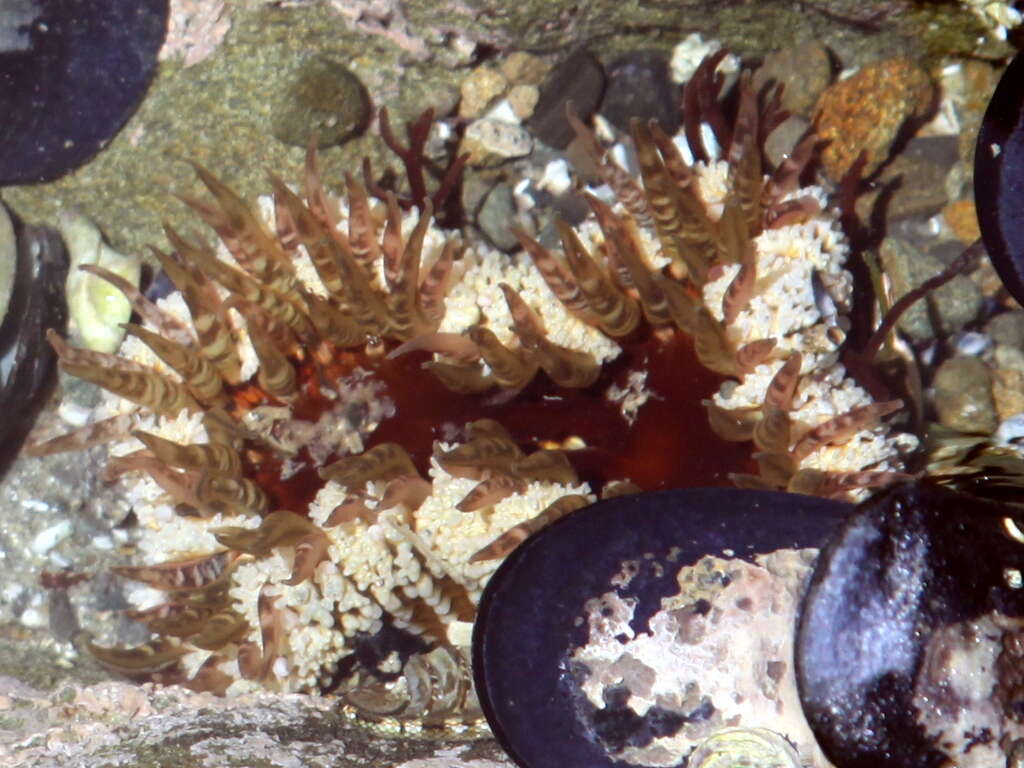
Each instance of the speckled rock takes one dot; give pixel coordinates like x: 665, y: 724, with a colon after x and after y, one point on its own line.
x: 579, y: 79
x: 523, y: 100
x: 804, y: 71
x: 639, y: 86
x: 865, y: 113
x: 322, y: 98
x: 1008, y: 391
x: 781, y: 141
x: 522, y: 68
x: 479, y: 90
x: 963, y: 395
x: 1007, y: 329
x: 953, y: 305
x: 491, y: 142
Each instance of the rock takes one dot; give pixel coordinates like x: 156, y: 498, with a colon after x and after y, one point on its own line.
x: 866, y: 112
x: 962, y: 219
x: 1008, y: 392
x: 523, y: 100
x: 8, y: 260
x: 497, y: 215
x: 914, y: 183
x: 781, y: 141
x: 963, y: 395
x: 804, y: 72
x: 479, y: 90
x: 321, y: 99
x: 580, y: 80
x: 954, y: 304
x: 492, y: 142
x: 523, y: 68
x: 1007, y: 329
x: 639, y: 86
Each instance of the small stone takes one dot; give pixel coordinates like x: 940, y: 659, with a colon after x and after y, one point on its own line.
x: 523, y: 99
x: 50, y: 537
x: 322, y: 99
x: 639, y: 86
x: 522, y: 68
x: 865, y: 113
x: 580, y: 80
x: 962, y: 219
x: 491, y: 142
x: 963, y: 396
x: 1007, y: 329
x: 479, y: 90
x: 781, y: 141
x: 954, y: 304
x: 1008, y: 392
x: 496, y: 215
x: 804, y: 72
x: 914, y: 183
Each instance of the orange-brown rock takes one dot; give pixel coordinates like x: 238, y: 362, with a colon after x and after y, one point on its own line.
x: 962, y: 220
x: 865, y: 112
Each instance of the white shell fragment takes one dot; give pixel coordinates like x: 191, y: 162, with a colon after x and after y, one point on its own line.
x: 96, y: 307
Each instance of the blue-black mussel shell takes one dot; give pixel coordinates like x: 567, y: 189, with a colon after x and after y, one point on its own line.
x: 999, y: 178
x: 890, y: 622
x: 527, y: 626
x: 27, y: 363
x: 71, y: 74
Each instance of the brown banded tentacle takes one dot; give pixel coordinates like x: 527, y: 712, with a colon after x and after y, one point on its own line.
x: 243, y: 232
x: 510, y: 369
x: 772, y: 432
x: 752, y: 354
x: 220, y: 629
x: 490, y: 490
x: 147, y: 388
x: 147, y: 658
x: 622, y: 183
x: 479, y: 455
x: 216, y: 458
x: 200, y: 375
x: 97, y: 433
x: 362, y: 229
x: 434, y: 285
x: 516, y: 535
x: 684, y: 229
x: 279, y: 528
x: 230, y: 496
x: 382, y: 462
x: 566, y: 367
x: 624, y: 238
x: 256, y: 661
x: 464, y: 379
x: 741, y: 288
x: 90, y: 357
x: 744, y: 157
x: 454, y: 346
x: 178, y: 485
x: 563, y: 284
x: 367, y: 307
x: 611, y: 310
x: 547, y: 466
x: 334, y: 325
x: 181, y: 575
x: 730, y: 424
x: 782, y: 387
x: 844, y: 426
x: 406, y: 319
x: 276, y: 374
x: 209, y: 318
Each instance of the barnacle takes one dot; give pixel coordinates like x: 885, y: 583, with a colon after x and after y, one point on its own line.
x: 336, y: 427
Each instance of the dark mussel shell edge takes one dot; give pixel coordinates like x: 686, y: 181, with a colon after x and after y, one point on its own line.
x: 999, y: 178
x: 910, y: 645
x: 528, y: 620
x: 71, y: 74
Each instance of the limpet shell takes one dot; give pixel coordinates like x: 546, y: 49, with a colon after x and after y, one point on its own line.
x: 746, y: 747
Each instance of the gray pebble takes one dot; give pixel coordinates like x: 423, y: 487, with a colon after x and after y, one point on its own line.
x: 639, y: 86
x: 496, y: 216
x: 1007, y: 329
x: 804, y: 72
x: 951, y: 306
x: 580, y: 80
x: 963, y: 396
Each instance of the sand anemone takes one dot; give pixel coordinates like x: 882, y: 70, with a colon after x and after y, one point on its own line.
x: 345, y: 416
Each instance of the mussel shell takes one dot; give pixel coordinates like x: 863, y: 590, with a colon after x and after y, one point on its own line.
x: 913, y: 560
x: 528, y: 626
x: 66, y: 91
x: 999, y: 178
x: 27, y: 362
